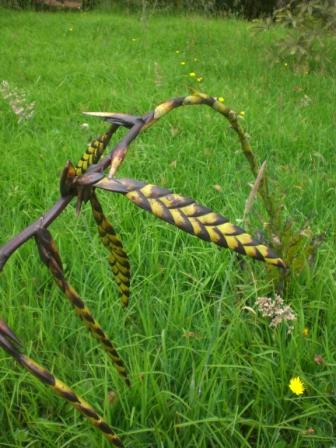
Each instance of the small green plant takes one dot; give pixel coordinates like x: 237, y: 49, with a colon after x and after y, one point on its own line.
x: 308, y: 22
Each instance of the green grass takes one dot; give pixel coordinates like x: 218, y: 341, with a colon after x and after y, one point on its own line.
x: 205, y: 372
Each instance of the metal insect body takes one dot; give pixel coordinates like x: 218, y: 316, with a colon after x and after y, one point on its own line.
x: 81, y: 181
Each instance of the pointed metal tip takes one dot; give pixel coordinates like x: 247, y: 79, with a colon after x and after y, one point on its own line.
x: 116, y: 118
x: 102, y: 115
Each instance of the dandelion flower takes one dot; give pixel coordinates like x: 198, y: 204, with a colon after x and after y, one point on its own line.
x: 221, y: 99
x: 296, y: 386
x: 182, y: 63
x: 305, y: 331
x: 242, y: 114
x: 192, y: 74
x: 200, y: 79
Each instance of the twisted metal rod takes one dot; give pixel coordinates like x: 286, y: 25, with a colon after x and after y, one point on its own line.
x: 11, y: 344
x: 118, y: 258
x: 51, y: 258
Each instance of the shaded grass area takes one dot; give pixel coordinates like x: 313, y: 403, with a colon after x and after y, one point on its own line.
x: 206, y: 371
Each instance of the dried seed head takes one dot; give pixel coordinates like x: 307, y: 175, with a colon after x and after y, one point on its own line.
x: 276, y: 310
x: 17, y: 101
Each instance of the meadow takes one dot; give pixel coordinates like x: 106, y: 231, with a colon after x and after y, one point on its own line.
x: 207, y: 369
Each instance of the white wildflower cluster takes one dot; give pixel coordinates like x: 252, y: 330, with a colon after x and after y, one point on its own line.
x: 17, y: 101
x: 276, y: 310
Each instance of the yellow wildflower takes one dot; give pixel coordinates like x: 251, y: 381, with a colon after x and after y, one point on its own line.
x: 296, y: 386
x: 200, y: 79
x: 242, y: 114
x: 221, y: 99
x: 192, y: 74
x: 177, y: 51
x: 182, y: 63
x: 305, y: 331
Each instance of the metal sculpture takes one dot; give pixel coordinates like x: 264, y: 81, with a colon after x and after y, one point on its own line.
x: 82, y: 181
